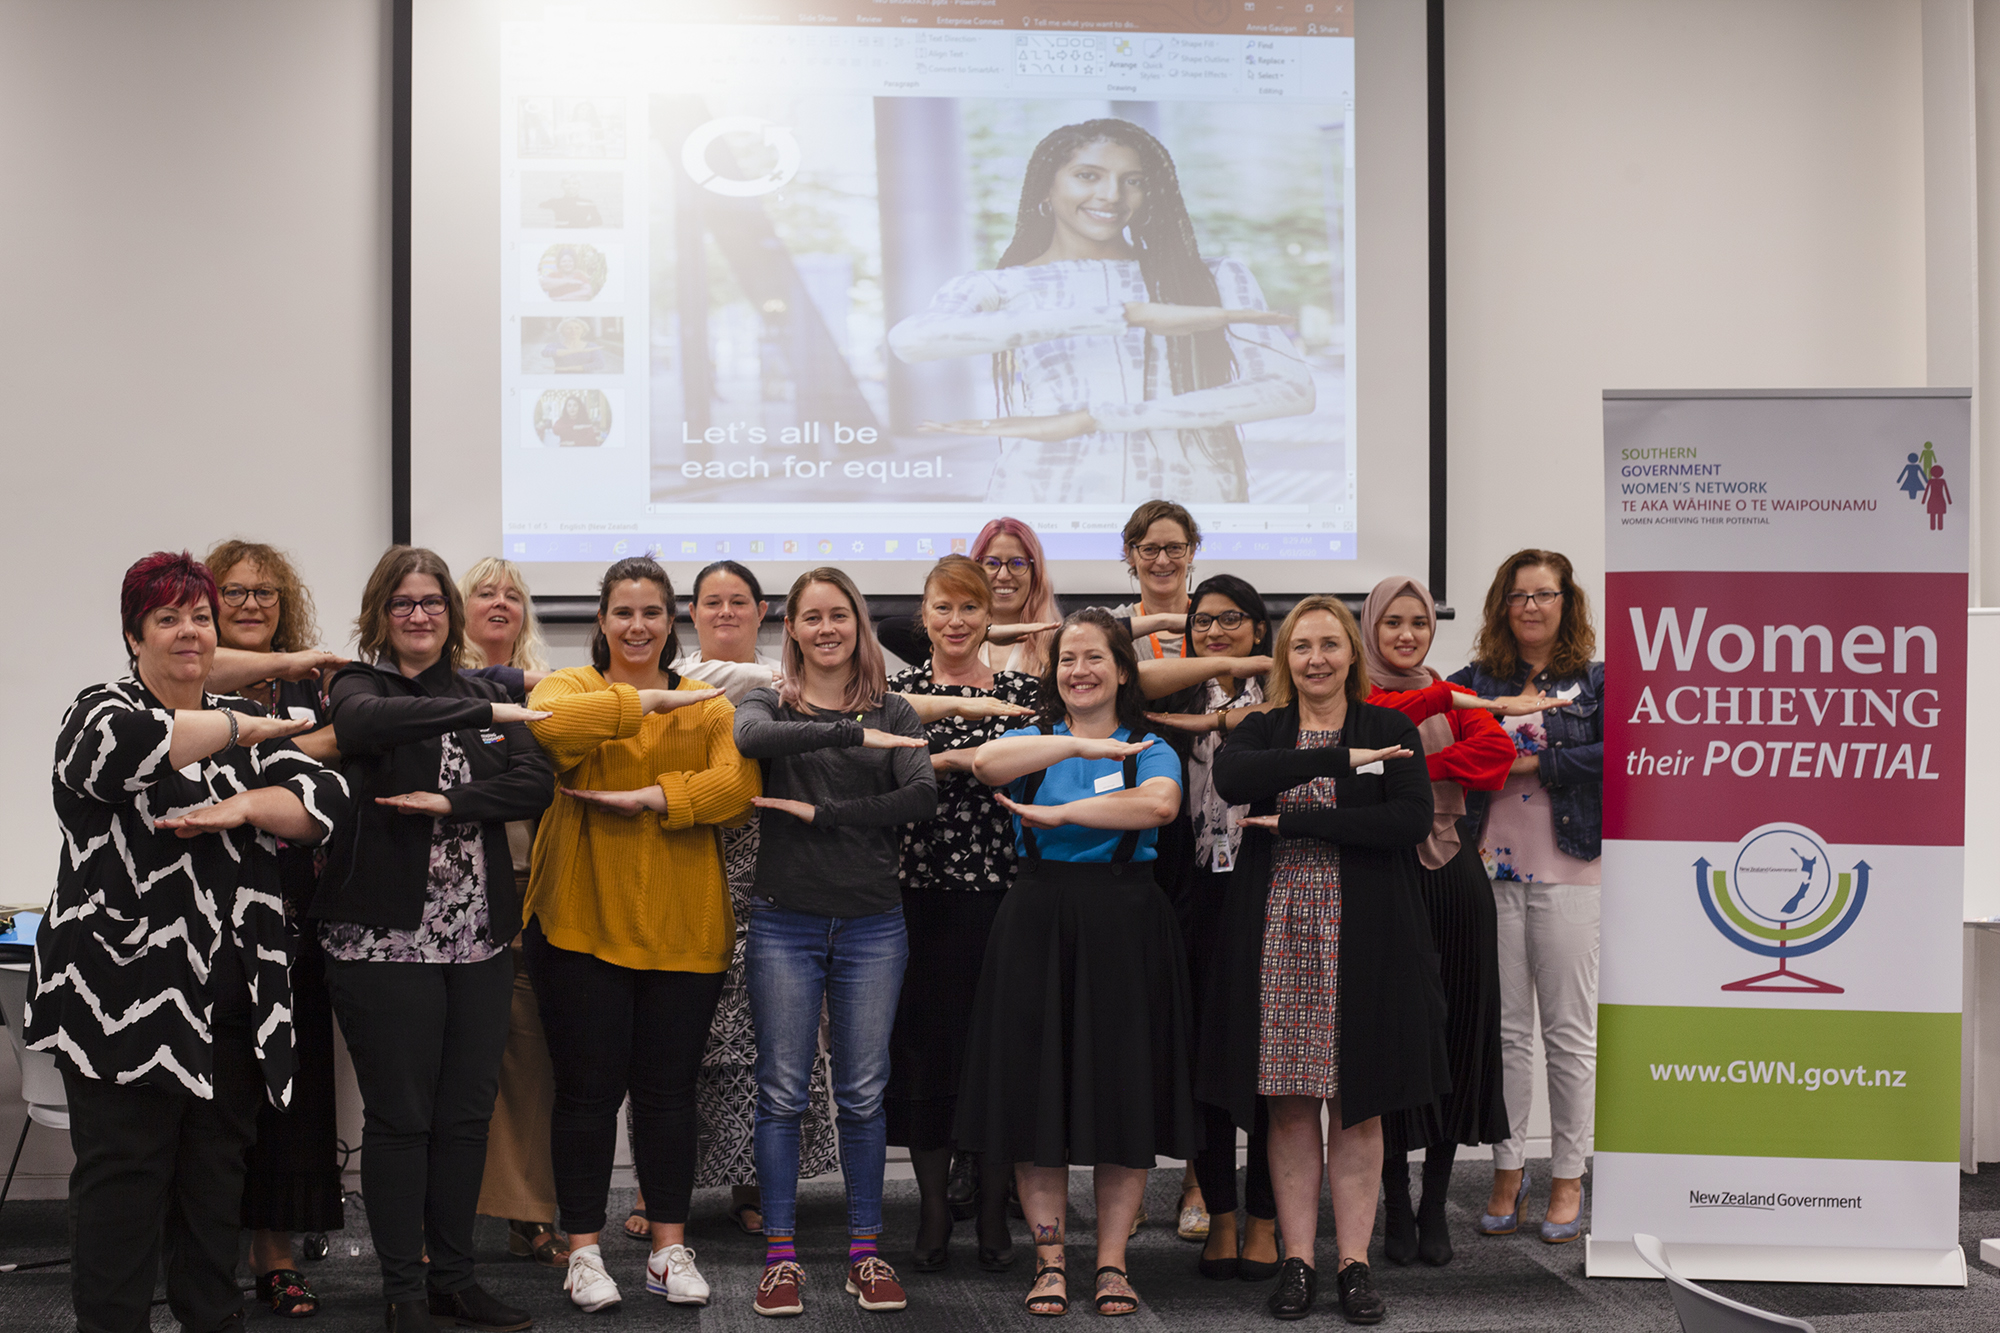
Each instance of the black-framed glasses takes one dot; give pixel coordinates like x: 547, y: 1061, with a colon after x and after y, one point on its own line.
x: 1517, y: 600
x: 402, y: 608
x: 235, y: 594
x: 1019, y: 564
x: 1227, y: 619
x: 1152, y: 551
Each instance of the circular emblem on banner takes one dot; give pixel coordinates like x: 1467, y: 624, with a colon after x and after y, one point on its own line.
x: 694, y: 156
x: 1781, y: 896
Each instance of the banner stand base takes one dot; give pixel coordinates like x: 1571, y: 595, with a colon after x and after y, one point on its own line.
x: 1989, y: 1251
x: 1786, y: 1263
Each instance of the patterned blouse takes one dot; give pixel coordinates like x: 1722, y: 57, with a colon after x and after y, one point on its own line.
x: 139, y: 915
x: 1071, y: 348
x: 970, y: 844
x: 454, y: 928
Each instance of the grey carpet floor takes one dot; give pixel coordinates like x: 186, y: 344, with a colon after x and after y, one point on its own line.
x: 1513, y: 1283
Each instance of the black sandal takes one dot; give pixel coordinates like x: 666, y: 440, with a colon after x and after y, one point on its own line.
x: 1128, y: 1297
x: 285, y: 1290
x: 1058, y: 1299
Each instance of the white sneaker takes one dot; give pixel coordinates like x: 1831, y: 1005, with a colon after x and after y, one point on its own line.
x: 587, y: 1283
x: 671, y: 1273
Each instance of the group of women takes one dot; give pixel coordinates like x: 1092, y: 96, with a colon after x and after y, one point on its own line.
x: 1066, y: 891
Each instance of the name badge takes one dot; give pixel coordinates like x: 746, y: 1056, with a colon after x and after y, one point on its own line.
x: 1225, y: 855
x: 1570, y: 691
x: 1110, y: 782
x: 491, y: 737
x: 1375, y: 767
x: 300, y: 713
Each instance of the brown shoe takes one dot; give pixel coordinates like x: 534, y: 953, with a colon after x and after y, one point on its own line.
x: 871, y: 1279
x: 778, y: 1293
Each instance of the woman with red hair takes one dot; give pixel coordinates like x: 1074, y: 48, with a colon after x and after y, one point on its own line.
x: 160, y: 976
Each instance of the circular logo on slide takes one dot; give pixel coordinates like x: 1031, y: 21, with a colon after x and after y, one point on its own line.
x: 694, y: 156
x: 1781, y: 896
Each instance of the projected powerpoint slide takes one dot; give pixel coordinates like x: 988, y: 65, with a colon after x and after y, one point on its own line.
x: 793, y: 283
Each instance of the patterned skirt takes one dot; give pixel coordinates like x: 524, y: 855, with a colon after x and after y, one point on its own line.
x: 1298, y: 1048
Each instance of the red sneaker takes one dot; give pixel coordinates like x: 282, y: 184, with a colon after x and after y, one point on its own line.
x: 778, y: 1293
x: 875, y: 1283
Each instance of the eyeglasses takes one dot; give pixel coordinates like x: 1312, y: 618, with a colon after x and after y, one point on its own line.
x: 402, y: 608
x: 236, y: 594
x: 1517, y: 600
x: 1019, y: 564
x: 1152, y: 551
x: 1227, y: 619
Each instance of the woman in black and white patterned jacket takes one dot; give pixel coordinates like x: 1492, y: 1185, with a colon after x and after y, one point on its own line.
x: 160, y: 977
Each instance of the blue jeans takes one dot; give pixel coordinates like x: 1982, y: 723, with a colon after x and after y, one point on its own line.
x: 793, y: 961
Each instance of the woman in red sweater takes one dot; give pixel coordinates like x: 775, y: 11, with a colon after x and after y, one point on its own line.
x: 1464, y: 748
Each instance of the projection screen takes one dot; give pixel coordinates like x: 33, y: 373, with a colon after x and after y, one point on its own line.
x: 801, y: 284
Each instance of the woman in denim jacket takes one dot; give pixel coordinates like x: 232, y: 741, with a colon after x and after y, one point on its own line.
x: 1539, y: 837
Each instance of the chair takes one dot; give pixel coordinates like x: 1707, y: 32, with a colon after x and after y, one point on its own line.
x: 1701, y: 1310
x: 41, y: 1082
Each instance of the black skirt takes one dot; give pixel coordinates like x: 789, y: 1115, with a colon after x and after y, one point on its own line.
x: 949, y: 930
x: 292, y: 1176
x: 1458, y: 899
x: 1081, y: 1033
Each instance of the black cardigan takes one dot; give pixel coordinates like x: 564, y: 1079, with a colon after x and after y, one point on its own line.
x: 1392, y: 1007
x: 390, y: 729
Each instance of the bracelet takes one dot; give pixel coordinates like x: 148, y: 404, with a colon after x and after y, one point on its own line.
x: 231, y: 715
x: 1222, y: 720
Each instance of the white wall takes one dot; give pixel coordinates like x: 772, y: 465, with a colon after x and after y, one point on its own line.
x: 194, y: 200
x: 1710, y: 194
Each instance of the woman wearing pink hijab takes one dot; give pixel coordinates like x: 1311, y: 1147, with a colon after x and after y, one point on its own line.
x: 1464, y: 748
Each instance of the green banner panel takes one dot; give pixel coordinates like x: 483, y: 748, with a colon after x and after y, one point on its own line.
x: 1778, y: 1083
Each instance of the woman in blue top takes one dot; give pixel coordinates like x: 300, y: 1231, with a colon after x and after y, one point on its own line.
x: 1080, y: 1036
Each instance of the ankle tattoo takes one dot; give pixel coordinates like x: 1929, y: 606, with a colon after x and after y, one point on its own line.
x: 1048, y: 1235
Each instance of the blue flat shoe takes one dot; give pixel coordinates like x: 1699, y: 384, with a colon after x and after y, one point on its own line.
x: 1506, y: 1224
x: 1556, y: 1233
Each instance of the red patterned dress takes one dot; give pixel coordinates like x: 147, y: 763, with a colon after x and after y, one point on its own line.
x: 1298, y: 1053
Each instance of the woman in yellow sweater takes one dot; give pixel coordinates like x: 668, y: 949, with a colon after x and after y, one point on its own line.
x: 630, y: 927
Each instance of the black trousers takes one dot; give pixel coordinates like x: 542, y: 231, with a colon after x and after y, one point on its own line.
x: 614, y: 1030
x: 1215, y: 1167
x: 159, y: 1177
x: 426, y: 1040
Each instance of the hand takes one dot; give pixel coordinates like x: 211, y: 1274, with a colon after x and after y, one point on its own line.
x: 307, y: 664
x: 796, y: 809
x: 226, y: 814
x: 251, y: 730
x: 1195, y: 723
x: 1033, y: 816
x: 417, y: 803
x: 1242, y: 668
x: 1363, y: 758
x: 1001, y: 636
x: 1269, y: 823
x: 1046, y: 429
x: 627, y: 803
x: 1525, y: 763
x: 1160, y: 622
x: 1517, y: 705
x: 985, y: 705
x: 875, y: 739
x: 1169, y: 320
x: 515, y: 713
x: 1087, y: 748
x: 666, y: 701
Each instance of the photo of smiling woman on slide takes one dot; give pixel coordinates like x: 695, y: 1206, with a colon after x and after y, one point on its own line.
x: 1123, y: 362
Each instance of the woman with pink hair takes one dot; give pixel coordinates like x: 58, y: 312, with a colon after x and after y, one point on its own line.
x: 1024, y: 593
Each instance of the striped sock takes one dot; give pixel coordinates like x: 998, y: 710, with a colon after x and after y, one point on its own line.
x: 779, y: 1250
x: 860, y: 1247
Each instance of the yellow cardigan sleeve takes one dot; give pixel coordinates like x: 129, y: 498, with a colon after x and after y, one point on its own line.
x: 581, y: 717
x: 721, y: 792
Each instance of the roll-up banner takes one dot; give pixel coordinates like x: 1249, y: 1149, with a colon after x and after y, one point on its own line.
x: 1784, y: 801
